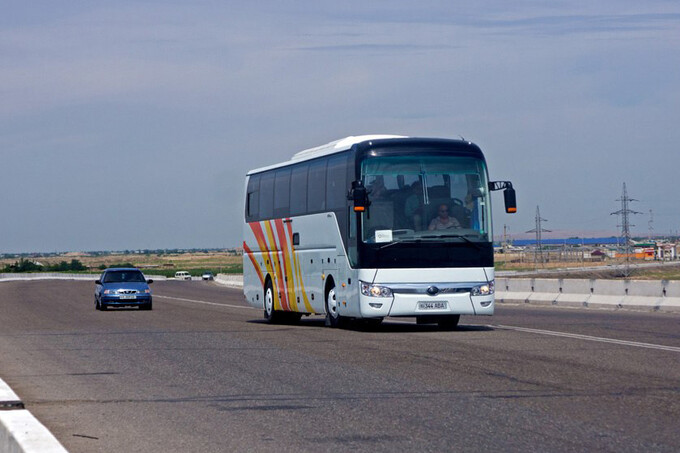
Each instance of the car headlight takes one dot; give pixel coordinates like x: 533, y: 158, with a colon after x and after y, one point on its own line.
x: 483, y: 290
x: 370, y: 290
x: 146, y: 291
x: 110, y: 291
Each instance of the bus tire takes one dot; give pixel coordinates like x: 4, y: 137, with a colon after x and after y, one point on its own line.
x: 270, y: 314
x: 333, y: 318
x: 449, y: 322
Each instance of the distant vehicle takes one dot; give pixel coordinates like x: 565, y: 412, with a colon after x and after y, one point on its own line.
x: 208, y: 276
x: 182, y: 275
x: 122, y: 287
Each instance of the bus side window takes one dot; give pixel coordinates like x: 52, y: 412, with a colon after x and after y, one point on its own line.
x: 253, y: 198
x: 282, y: 193
x: 298, y: 190
x: 316, y: 186
x: 336, y: 175
x: 267, y: 195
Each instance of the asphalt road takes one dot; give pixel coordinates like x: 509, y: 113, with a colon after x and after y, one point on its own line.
x: 203, y: 373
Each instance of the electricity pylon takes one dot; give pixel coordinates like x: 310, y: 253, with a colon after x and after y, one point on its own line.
x: 625, y: 225
x: 538, y: 251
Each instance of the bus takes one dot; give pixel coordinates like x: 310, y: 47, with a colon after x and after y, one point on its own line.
x: 370, y: 227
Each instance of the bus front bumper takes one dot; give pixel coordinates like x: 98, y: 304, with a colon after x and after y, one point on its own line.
x: 423, y: 305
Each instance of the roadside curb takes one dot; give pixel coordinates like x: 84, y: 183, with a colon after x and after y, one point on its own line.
x: 20, y: 431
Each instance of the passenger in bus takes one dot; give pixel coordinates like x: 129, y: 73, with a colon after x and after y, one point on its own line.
x: 377, y: 187
x: 471, y: 208
x: 443, y: 221
x: 413, y: 206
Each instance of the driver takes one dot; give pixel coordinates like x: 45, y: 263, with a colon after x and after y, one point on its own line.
x: 443, y: 220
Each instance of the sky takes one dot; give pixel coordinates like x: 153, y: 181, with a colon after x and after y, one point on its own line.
x: 131, y: 124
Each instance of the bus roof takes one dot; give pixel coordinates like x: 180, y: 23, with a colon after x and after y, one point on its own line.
x: 334, y: 147
x: 339, y: 145
x: 329, y: 148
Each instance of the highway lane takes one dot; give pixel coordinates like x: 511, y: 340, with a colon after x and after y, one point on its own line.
x: 202, y: 372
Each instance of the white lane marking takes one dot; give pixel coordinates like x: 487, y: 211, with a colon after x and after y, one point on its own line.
x: 590, y: 338
x: 204, y: 302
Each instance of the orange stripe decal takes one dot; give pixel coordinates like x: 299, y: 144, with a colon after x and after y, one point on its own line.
x: 249, y: 253
x: 262, y: 243
x: 277, y: 265
x: 298, y: 272
x: 288, y: 281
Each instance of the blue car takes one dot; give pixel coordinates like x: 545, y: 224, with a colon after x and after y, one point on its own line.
x: 122, y: 287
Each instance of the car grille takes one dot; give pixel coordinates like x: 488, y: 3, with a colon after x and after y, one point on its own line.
x: 127, y: 291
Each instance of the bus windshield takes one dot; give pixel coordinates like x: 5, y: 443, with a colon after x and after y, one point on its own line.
x: 423, y: 198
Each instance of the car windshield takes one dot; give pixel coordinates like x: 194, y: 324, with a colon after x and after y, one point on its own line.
x: 123, y: 277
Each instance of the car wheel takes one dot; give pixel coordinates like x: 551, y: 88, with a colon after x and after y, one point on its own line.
x: 102, y: 306
x: 96, y: 303
x: 146, y: 306
x: 449, y: 322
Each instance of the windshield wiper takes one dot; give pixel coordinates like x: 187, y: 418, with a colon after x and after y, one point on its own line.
x: 457, y: 236
x: 403, y: 241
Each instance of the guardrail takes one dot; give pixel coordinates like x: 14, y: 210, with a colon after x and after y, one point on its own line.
x: 655, y: 295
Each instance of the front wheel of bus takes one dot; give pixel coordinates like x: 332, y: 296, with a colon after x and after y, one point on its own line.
x: 333, y: 318
x: 270, y: 314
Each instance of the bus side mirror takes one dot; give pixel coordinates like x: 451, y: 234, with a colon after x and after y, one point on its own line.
x: 508, y: 194
x: 510, y: 200
x: 359, y: 196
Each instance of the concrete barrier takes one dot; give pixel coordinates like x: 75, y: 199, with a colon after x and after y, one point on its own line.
x: 231, y: 280
x: 20, y: 431
x: 653, y: 295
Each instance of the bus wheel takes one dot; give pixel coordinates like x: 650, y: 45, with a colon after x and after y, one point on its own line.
x: 333, y: 318
x: 270, y: 314
x: 448, y: 322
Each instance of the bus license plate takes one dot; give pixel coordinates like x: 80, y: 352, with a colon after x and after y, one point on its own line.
x: 127, y: 297
x: 432, y: 305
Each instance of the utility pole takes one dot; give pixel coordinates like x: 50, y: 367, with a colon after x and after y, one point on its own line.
x: 650, y: 225
x: 625, y: 225
x: 538, y: 230
x: 505, y: 238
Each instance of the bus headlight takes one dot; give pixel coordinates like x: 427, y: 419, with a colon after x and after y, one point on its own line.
x: 483, y: 290
x: 375, y: 290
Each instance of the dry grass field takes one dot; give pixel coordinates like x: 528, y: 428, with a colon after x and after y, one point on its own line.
x: 151, y: 263
x: 197, y: 262
x: 639, y: 269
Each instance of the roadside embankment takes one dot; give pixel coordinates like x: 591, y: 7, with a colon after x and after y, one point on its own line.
x: 654, y: 295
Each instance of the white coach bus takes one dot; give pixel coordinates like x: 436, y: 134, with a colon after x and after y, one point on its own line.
x: 372, y: 226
